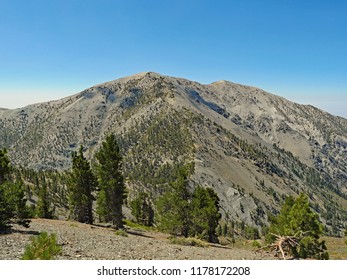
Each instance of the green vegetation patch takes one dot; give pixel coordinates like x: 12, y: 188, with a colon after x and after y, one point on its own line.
x: 121, y: 232
x: 42, y: 247
x: 190, y: 241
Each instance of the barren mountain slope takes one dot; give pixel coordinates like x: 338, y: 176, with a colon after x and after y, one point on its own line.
x: 252, y: 147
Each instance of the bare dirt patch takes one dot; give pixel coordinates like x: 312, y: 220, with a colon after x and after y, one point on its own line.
x: 82, y: 241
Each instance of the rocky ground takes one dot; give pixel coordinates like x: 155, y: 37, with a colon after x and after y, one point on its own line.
x: 81, y: 242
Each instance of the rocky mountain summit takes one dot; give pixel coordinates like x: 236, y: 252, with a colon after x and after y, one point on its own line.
x: 253, y: 148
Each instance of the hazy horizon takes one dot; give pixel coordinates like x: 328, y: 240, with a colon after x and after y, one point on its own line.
x: 41, y: 96
x: 294, y: 49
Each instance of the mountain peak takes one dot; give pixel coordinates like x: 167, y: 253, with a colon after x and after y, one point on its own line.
x: 252, y: 147
x: 142, y: 75
x: 136, y: 76
x: 221, y: 82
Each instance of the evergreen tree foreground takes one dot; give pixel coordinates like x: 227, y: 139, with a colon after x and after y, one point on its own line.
x: 189, y: 214
x: 142, y: 210
x: 13, y: 208
x: 112, y: 191
x: 298, y: 222
x: 43, y: 209
x: 82, y: 184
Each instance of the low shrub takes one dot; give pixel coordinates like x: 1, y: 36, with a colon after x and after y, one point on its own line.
x: 256, y: 244
x: 190, y: 241
x: 42, y: 247
x: 121, y: 232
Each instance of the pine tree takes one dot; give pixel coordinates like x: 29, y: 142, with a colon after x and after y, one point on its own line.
x: 42, y: 247
x: 205, y: 213
x: 297, y: 219
x: 174, y: 208
x: 111, y: 182
x: 182, y: 212
x: 142, y: 210
x: 13, y: 208
x: 82, y: 184
x: 44, y: 201
x: 4, y: 165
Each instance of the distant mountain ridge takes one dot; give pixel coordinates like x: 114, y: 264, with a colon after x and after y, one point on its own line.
x: 252, y: 147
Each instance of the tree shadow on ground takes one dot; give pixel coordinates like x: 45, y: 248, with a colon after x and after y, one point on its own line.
x: 139, y: 233
x: 20, y: 231
x: 219, y: 246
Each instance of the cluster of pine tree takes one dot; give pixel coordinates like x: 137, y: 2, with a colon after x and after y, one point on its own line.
x: 13, y: 208
x: 142, y: 209
x: 106, y: 180
x: 183, y: 212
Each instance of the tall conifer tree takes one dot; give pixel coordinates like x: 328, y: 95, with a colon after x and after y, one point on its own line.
x: 111, y: 181
x: 205, y: 213
x: 4, y: 165
x: 82, y: 185
x: 142, y: 210
x: 13, y: 208
x: 44, y: 201
x: 174, y: 208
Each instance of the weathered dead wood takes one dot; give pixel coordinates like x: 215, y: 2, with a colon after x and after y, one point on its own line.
x: 282, y: 244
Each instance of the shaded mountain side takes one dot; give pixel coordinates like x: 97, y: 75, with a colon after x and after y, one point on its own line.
x: 252, y: 147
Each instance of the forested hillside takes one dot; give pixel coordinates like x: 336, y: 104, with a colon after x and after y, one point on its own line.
x: 252, y: 148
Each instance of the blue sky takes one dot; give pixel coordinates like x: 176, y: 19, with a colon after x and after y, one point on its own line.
x: 295, y: 49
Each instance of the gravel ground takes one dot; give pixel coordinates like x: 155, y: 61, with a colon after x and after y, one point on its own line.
x: 86, y: 242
